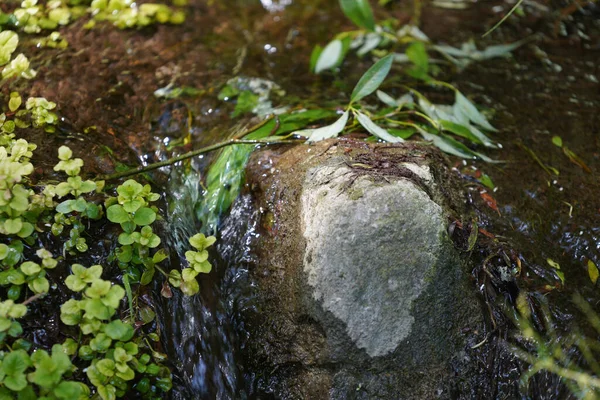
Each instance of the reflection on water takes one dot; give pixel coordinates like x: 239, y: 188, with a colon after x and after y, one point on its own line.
x: 275, y: 5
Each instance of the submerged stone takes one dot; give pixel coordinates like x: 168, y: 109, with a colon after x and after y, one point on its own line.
x: 359, y: 291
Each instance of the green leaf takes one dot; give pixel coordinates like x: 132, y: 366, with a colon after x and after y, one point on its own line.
x: 106, y: 367
x: 487, y: 181
x: 126, y: 239
x: 418, y: 55
x: 9, y: 41
x: 160, y: 256
x: 147, y: 277
x: 188, y: 274
x: 107, y: 392
x: 372, y: 79
x: 114, y: 296
x: 314, y: 57
x: 175, y: 278
x: 68, y: 390
x: 359, y: 12
x: 246, y: 103
x: 94, y: 308
x: 553, y: 263
x: 13, y: 226
x: 387, y: 99
x: 144, y: 216
x: 402, y: 133
x: 201, y: 242
x: 65, y: 207
x: 39, y: 285
x: 376, y: 130
x: 330, y: 56
x: 101, y: 343
x: 118, y: 330
x: 190, y: 287
x: 472, y: 112
x: 15, y: 362
x: 15, y: 101
x: 30, y: 268
x: 326, y: 132
x: 593, y: 271
x: 15, y: 383
x: 4, y: 249
x: 557, y: 141
x: 117, y: 214
x: 461, y: 131
x: 448, y: 146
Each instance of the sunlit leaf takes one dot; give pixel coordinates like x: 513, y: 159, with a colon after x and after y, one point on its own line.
x: 553, y: 263
x: 325, y: 132
x: 386, y: 99
x: 557, y: 141
x: 376, y: 130
x: 359, y: 12
x: 330, y: 56
x: 448, y: 146
x: 593, y: 271
x: 372, y: 79
x: 418, y: 55
x: 472, y: 112
x: 371, y: 42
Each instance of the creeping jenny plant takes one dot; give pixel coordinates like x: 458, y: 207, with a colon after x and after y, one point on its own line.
x: 99, y: 353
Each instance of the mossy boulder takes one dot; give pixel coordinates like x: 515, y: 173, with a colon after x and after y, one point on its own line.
x: 359, y: 292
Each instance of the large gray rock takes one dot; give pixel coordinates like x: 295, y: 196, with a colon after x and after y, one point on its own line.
x: 370, y: 247
x: 359, y: 291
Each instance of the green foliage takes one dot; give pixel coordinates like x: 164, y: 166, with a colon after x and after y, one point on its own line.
x: 116, y: 359
x: 553, y: 352
x: 372, y: 79
x: 359, y: 12
x: 224, y: 177
x: 199, y: 264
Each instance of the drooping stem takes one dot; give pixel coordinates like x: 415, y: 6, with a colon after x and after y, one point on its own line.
x: 191, y: 154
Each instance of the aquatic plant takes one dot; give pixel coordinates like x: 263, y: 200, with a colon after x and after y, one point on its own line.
x: 114, y: 357
x: 572, y: 356
x: 109, y: 357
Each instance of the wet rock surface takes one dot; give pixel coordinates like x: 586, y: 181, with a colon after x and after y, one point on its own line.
x: 360, y: 292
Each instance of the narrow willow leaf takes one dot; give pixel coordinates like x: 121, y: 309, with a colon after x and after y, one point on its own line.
x: 418, y: 55
x: 371, y: 42
x: 329, y: 57
x: 376, y: 130
x: 403, y: 133
x: 314, y: 57
x: 359, y: 12
x: 447, y: 146
x: 472, y: 112
x: 386, y: 99
x: 501, y: 50
x: 372, y: 79
x: 325, y: 132
x: 401, y: 58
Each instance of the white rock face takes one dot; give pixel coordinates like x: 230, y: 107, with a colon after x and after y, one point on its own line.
x: 370, y: 248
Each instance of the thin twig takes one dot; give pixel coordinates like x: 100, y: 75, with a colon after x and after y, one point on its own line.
x: 191, y: 154
x: 32, y: 298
